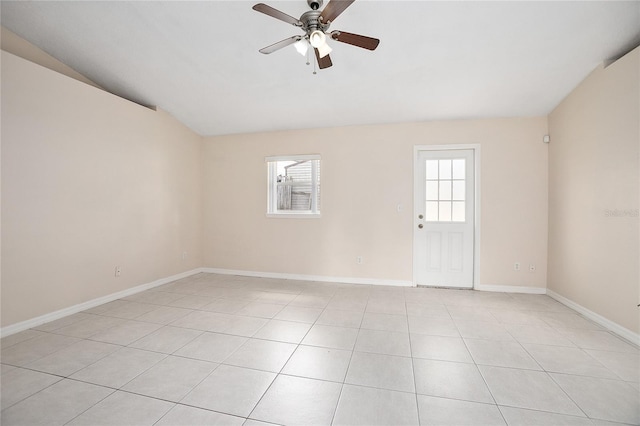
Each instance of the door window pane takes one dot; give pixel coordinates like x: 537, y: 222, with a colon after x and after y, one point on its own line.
x: 458, y: 168
x: 458, y: 190
x: 458, y: 211
x: 444, y: 211
x: 445, y: 169
x: 445, y: 190
x: 432, y: 190
x: 432, y: 211
x: 432, y: 169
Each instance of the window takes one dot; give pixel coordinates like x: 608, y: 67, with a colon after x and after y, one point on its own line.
x: 294, y: 186
x: 446, y: 190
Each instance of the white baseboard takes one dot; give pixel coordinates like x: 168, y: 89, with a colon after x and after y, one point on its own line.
x: 34, y: 322
x: 301, y: 277
x: 621, y: 331
x: 511, y: 289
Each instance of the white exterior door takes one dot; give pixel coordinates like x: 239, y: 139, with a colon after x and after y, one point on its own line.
x: 444, y: 218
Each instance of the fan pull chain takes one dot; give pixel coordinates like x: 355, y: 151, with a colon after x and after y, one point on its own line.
x: 314, y: 67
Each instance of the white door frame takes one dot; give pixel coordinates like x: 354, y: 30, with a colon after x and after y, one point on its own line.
x: 417, y: 201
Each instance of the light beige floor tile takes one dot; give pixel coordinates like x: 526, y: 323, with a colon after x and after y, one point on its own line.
x: 4, y: 369
x: 331, y: 337
x: 318, y: 363
x: 381, y: 371
x: 560, y: 359
x: 277, y: 298
x: 340, y: 318
x: 118, y: 368
x: 568, y: 320
x: 347, y: 303
x: 383, y: 342
x: 183, y: 415
x: 55, y: 405
x: 131, y: 310
x: 245, y: 326
x: 164, y: 315
x: 612, y: 400
x: 191, y: 302
x: 428, y: 310
x: 121, y: 408
x: 298, y: 401
x: 154, y: 297
x: 599, y: 340
x: 311, y: 301
x: 90, y: 326
x: 392, y: 307
x: 385, y: 322
x: 530, y: 389
x: 237, y: 390
x: 126, y: 333
x: 261, y: 310
x: 522, y: 417
x: 18, y: 384
x: 500, y: 354
x: 20, y: 337
x: 624, y: 365
x: 73, y: 358
x: 171, y: 379
x: 433, y: 326
x: 367, y: 406
x: 24, y: 353
x: 470, y: 313
x: 213, y: 347
x: 439, y: 348
x: 226, y: 306
x: 283, y: 331
x: 262, y: 355
x: 166, y: 339
x: 482, y: 330
x: 63, y: 322
x: 538, y: 334
x: 450, y: 380
x: 299, y: 314
x: 436, y: 411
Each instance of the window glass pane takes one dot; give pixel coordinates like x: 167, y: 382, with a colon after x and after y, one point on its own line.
x: 458, y: 211
x: 445, y: 190
x: 458, y: 190
x: 293, y: 187
x: 458, y: 168
x: 444, y: 211
x: 432, y: 190
x: 432, y: 211
x: 432, y: 169
x: 445, y: 169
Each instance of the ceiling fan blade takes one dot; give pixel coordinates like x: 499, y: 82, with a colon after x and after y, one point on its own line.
x: 279, y: 45
x: 275, y: 13
x: 333, y: 9
x: 323, y: 62
x: 356, y: 40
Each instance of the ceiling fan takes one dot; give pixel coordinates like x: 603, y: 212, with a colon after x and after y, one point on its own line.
x: 315, y: 24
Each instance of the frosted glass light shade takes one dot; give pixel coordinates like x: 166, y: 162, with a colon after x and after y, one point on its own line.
x: 324, y: 50
x: 317, y: 38
x: 301, y: 46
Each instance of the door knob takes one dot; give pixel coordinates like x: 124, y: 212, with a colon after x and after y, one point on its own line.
x: 420, y: 216
x: 420, y: 226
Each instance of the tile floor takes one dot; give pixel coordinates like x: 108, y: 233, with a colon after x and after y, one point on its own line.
x: 214, y: 349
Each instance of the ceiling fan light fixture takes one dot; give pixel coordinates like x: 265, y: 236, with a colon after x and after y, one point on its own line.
x: 301, y: 46
x: 317, y: 39
x: 324, y: 50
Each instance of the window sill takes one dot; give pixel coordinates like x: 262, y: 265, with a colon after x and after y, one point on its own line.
x: 298, y: 215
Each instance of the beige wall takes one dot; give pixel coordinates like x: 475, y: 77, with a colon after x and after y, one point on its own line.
x: 366, y: 172
x: 89, y: 181
x: 593, y: 168
x: 20, y: 47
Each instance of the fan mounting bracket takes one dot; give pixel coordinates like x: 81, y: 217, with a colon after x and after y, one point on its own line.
x: 311, y: 22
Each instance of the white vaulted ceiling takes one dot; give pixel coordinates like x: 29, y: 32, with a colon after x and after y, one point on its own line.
x: 436, y: 60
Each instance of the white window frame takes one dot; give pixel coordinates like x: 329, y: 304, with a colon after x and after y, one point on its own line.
x: 272, y: 191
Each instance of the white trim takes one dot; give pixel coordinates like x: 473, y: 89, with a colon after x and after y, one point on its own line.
x: 510, y: 289
x: 293, y: 157
x: 34, y: 322
x: 477, y: 150
x: 302, y: 277
x: 613, y: 327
